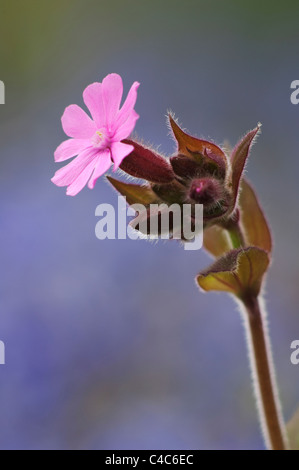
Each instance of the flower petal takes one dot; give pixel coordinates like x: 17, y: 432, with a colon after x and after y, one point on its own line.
x: 76, y: 123
x: 103, y: 164
x: 79, y: 183
x: 128, y: 105
x: 69, y: 148
x: 119, y: 151
x: 67, y: 174
x: 125, y: 129
x: 93, y: 98
x: 112, y: 89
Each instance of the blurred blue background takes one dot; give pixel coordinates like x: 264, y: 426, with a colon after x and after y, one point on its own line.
x: 109, y: 343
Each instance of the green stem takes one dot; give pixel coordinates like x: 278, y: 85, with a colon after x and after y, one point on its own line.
x: 236, y: 236
x: 266, y: 389
x: 235, y: 231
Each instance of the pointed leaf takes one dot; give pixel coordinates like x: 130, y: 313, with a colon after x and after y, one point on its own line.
x: 293, y: 431
x: 255, y: 226
x: 134, y: 193
x: 239, y: 157
x: 191, y: 147
x: 216, y: 240
x: 238, y: 272
x: 146, y: 164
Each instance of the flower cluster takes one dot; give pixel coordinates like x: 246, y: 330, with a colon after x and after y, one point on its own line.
x: 199, y: 172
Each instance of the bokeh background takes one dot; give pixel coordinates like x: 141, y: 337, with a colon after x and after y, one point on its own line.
x: 109, y: 344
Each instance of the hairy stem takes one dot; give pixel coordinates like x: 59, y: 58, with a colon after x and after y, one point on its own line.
x: 235, y: 231
x: 266, y: 389
x: 236, y: 235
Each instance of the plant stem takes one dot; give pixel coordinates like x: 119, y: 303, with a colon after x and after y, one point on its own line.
x: 264, y: 377
x: 235, y: 231
x: 236, y: 236
x: 260, y: 354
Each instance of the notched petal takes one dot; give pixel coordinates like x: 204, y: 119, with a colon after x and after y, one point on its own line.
x: 76, y: 123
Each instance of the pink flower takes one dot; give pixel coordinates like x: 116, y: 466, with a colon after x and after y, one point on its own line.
x: 96, y: 141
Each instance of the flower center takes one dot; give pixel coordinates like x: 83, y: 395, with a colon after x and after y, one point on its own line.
x: 100, y: 139
x: 205, y: 190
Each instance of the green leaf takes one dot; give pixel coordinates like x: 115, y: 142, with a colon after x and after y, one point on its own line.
x: 256, y: 228
x: 293, y: 431
x: 239, y: 157
x: 239, y: 272
x: 134, y: 193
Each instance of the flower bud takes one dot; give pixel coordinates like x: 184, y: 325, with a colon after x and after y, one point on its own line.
x: 199, y: 173
x: 146, y: 164
x: 205, y: 191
